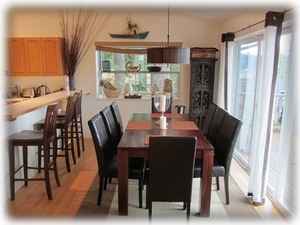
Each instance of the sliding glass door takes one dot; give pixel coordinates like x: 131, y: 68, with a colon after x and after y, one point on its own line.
x: 282, y: 160
x: 244, y: 103
x: 281, y: 184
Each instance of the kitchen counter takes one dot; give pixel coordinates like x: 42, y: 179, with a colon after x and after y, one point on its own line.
x: 12, y: 111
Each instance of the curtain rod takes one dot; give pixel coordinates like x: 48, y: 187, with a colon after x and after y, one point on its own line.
x: 252, y: 25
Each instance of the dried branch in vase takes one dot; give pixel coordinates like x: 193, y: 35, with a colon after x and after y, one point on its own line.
x: 80, y: 28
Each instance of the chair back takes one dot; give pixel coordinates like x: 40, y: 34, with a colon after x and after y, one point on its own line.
x: 118, y: 119
x: 100, y: 140
x: 171, y: 163
x: 224, y: 147
x: 210, y: 115
x: 111, y: 128
x: 78, y: 104
x: 216, y: 123
x: 50, y: 122
x: 70, y: 110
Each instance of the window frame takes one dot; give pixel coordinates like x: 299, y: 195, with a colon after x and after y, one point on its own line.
x: 142, y: 46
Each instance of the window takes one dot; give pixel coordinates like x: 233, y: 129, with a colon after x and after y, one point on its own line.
x: 282, y: 166
x: 247, y: 68
x: 111, y: 66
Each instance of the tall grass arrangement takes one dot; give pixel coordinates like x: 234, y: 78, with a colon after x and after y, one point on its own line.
x: 80, y: 28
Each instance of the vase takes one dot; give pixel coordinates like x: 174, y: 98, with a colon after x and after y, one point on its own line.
x: 72, y: 83
x: 128, y: 89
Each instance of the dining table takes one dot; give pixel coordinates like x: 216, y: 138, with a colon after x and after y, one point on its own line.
x: 135, y: 143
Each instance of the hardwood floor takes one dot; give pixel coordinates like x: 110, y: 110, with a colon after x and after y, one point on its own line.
x: 32, y: 201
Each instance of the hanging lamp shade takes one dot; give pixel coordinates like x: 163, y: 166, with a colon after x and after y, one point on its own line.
x: 168, y: 55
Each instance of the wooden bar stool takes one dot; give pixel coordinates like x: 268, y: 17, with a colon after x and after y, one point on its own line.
x: 64, y: 125
x: 77, y: 123
x: 42, y: 139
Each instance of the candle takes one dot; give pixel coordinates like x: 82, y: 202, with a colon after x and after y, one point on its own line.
x: 163, y: 122
x: 162, y: 104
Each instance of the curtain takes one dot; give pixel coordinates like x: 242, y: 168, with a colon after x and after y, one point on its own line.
x: 225, y: 75
x: 289, y: 140
x: 263, y: 116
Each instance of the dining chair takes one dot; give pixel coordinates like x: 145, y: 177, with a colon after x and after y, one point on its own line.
x: 42, y: 139
x: 224, y: 148
x: 171, y: 163
x: 108, y: 163
x: 118, y: 118
x: 111, y: 128
x: 216, y: 123
x: 210, y: 115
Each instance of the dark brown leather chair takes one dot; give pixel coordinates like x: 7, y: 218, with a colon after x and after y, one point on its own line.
x: 118, y: 118
x: 209, y: 118
x: 39, y: 138
x: 107, y: 162
x: 171, y: 163
x: 215, y: 125
x: 111, y: 128
x: 224, y: 148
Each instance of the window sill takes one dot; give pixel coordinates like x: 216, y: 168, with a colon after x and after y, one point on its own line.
x: 146, y: 97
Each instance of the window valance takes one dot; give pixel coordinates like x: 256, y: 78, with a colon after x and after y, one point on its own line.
x: 132, y: 47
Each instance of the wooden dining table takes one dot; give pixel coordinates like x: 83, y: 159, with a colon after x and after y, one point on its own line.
x: 135, y: 143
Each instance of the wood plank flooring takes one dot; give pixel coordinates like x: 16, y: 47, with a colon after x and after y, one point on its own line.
x: 32, y: 201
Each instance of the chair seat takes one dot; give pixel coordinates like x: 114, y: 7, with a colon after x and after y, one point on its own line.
x: 27, y: 136
x: 60, y: 123
x: 111, y: 168
x: 218, y: 169
x: 136, y: 166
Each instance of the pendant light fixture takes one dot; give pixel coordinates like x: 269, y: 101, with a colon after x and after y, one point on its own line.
x: 168, y: 54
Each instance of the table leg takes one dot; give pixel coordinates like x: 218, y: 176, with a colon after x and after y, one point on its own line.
x: 123, y: 182
x: 205, y: 186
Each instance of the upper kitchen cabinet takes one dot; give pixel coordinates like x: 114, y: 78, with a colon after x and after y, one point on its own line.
x: 17, y: 60
x: 42, y: 57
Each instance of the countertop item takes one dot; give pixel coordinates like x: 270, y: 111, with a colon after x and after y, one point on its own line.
x: 11, y: 112
x: 42, y: 90
x: 28, y: 93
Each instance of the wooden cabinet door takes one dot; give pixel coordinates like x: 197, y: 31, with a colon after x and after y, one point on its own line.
x: 17, y: 60
x: 52, y: 60
x: 201, y: 88
x: 36, y: 57
x: 33, y: 52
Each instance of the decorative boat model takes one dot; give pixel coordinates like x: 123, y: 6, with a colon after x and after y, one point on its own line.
x: 132, y: 31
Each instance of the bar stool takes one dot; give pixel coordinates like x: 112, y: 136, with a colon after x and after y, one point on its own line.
x: 42, y: 139
x: 77, y: 123
x: 64, y: 124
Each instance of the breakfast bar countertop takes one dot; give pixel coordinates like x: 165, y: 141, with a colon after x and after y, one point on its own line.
x: 12, y: 111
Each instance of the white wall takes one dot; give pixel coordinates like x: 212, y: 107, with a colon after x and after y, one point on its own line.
x: 193, y: 32
x: 189, y: 29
